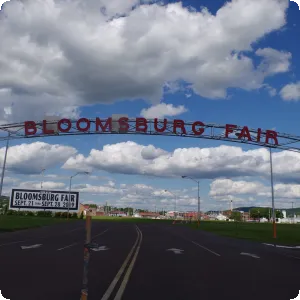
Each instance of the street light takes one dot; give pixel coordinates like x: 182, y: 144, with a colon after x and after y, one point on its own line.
x: 272, y: 190
x: 42, y: 172
x: 198, y: 182
x: 175, y: 202
x: 71, y: 177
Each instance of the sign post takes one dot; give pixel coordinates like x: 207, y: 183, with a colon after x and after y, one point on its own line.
x: 88, y: 246
x: 86, y: 257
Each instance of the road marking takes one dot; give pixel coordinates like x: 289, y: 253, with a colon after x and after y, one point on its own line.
x: 217, y: 254
x: 279, y: 246
x: 12, y: 243
x: 102, y: 248
x: 31, y: 247
x: 67, y: 247
x: 99, y: 233
x: 176, y: 251
x: 121, y: 271
x: 129, y: 270
x: 250, y: 254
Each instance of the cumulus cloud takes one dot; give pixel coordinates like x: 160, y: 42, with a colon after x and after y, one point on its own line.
x: 163, y: 110
x: 96, y: 189
x: 215, y: 162
x: 32, y: 158
x: 274, y: 61
x: 49, y: 185
x: 53, y: 52
x: 224, y: 189
x: 291, y: 92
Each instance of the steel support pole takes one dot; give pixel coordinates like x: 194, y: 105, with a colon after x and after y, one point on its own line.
x: 272, y: 190
x: 4, y: 164
x: 69, y: 196
x: 86, y: 258
x: 199, y: 214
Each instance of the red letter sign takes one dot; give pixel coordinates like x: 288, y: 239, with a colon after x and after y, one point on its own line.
x: 229, y: 129
x: 180, y: 124
x: 103, y: 128
x: 270, y: 134
x: 141, y: 122
x: 123, y: 123
x: 45, y: 130
x: 30, y: 128
x: 245, y: 133
x: 62, y: 121
x: 87, y: 126
x: 200, y: 130
x: 258, y: 134
x: 160, y: 129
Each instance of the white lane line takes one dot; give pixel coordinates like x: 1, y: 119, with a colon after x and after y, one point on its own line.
x: 129, y: 270
x: 121, y: 271
x: 250, y: 254
x: 12, y: 243
x: 31, y: 246
x: 280, y: 246
x: 67, y: 247
x: 100, y: 233
x: 217, y: 254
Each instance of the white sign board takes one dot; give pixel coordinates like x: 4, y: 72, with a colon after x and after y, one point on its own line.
x: 41, y: 199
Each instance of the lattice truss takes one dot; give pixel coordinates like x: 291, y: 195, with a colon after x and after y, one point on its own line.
x: 211, y: 132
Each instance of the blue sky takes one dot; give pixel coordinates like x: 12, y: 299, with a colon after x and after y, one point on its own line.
x: 98, y: 85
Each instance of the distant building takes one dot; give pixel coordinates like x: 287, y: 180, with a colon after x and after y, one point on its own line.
x: 149, y: 215
x: 117, y: 213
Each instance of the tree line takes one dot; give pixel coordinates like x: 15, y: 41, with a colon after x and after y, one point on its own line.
x: 256, y: 214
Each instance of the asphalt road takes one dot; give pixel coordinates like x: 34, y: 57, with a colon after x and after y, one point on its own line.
x: 138, y: 265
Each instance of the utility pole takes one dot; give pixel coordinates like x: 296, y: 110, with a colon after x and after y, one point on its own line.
x: 4, y: 163
x: 272, y: 190
x: 198, y: 184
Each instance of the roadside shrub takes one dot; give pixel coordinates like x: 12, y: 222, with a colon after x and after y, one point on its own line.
x: 48, y: 214
x: 40, y: 213
x: 64, y: 215
x: 81, y: 215
x: 30, y: 214
x: 21, y: 213
x: 10, y: 212
x: 57, y: 214
x: 75, y: 215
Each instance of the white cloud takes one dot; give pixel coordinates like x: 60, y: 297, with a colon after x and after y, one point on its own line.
x: 291, y: 92
x: 163, y: 110
x: 49, y: 185
x: 227, y: 189
x: 215, y: 162
x: 95, y: 189
x: 274, y: 61
x: 224, y: 187
x: 53, y: 53
x: 10, y: 180
x: 32, y: 158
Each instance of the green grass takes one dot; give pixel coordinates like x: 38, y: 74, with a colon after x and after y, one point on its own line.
x: 287, y: 234
x: 13, y: 223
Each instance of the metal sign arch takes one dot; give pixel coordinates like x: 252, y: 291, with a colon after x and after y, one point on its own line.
x: 157, y: 127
